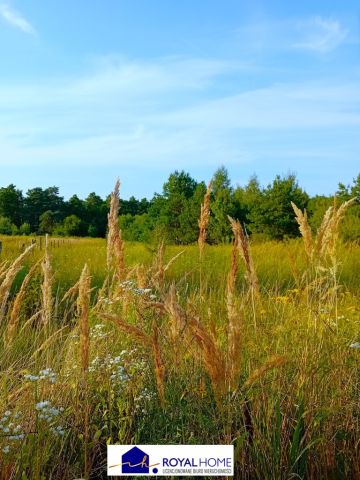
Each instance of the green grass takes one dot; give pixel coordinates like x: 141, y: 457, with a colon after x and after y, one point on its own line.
x: 299, y: 420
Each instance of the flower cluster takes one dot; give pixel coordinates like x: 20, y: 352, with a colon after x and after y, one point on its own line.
x: 48, y: 413
x: 114, y: 366
x: 142, y: 400
x: 130, y: 286
x: 98, y: 331
x: 46, y: 374
x: 11, y: 428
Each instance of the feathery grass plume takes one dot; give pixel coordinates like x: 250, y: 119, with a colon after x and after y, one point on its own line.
x: 305, y: 230
x: 159, y: 365
x: 322, y: 233
x: 273, y: 362
x: 141, y: 276
x: 331, y: 236
x: 243, y: 246
x: 83, y: 307
x: 158, y: 267
x: 327, y: 235
x: 46, y: 290
x: 212, y: 355
x: 3, y: 268
x: 115, y: 244
x: 204, y: 219
x: 234, y: 319
x: 176, y: 314
x: 133, y: 331
x: 16, y: 308
x: 11, y: 273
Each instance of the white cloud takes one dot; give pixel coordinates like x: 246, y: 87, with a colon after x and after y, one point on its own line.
x: 138, y: 113
x: 320, y: 34
x: 312, y: 34
x: 15, y: 19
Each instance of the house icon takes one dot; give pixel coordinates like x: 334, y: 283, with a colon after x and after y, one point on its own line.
x: 135, y: 461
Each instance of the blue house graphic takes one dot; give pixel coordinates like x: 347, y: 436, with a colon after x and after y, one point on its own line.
x: 135, y: 461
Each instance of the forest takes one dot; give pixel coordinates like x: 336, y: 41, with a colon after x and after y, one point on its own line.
x: 265, y: 212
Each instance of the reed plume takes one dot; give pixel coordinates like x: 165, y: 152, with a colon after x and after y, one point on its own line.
x: 243, y: 247
x: 159, y: 365
x: 213, y: 358
x: 326, y: 238
x: 234, y: 321
x: 305, y: 230
x: 158, y: 267
x: 9, y: 277
x: 176, y: 314
x: 16, y: 308
x: 204, y: 219
x: 331, y: 233
x: 115, y: 244
x: 83, y: 308
x: 141, y: 276
x: 46, y: 290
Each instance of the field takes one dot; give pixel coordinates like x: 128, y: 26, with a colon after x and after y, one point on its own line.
x: 255, y: 345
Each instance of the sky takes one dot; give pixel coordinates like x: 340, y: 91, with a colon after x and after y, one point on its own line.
x: 95, y: 90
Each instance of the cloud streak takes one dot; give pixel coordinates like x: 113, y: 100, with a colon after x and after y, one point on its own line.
x: 15, y: 19
x: 312, y: 34
x: 321, y: 35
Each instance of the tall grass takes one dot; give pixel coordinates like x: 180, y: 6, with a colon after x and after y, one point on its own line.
x: 254, y: 345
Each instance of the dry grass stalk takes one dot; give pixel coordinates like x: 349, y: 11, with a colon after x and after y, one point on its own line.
x: 322, y: 232
x: 11, y: 273
x: 159, y: 365
x: 176, y: 314
x: 71, y: 292
x: 30, y: 321
x: 158, y: 268
x: 141, y: 276
x: 83, y: 307
x: 3, y: 268
x: 16, y: 308
x: 46, y: 290
x: 47, y: 342
x: 133, y: 331
x: 115, y: 244
x: 204, y: 219
x: 273, y: 362
x: 330, y: 237
x: 305, y: 230
x: 235, y: 321
x: 243, y: 246
x: 212, y: 355
x: 172, y: 260
x: 326, y: 238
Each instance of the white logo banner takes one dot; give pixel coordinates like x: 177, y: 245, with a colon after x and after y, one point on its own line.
x: 171, y: 460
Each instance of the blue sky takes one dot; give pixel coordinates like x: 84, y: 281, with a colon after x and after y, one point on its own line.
x: 91, y: 91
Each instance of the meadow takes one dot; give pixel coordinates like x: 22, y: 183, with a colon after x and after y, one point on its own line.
x: 250, y: 344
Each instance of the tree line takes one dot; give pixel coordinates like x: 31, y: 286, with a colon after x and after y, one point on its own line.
x: 265, y: 212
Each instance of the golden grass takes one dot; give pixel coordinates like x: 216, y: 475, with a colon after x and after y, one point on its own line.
x: 173, y: 349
